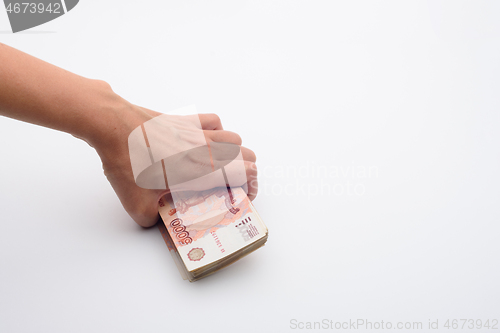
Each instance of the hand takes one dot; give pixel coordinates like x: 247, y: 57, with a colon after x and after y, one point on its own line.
x: 142, y: 204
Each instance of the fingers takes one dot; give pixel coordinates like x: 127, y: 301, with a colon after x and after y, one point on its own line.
x: 213, y: 132
x: 223, y: 136
x: 231, y: 137
x: 252, y: 183
x: 248, y: 155
x: 210, y: 121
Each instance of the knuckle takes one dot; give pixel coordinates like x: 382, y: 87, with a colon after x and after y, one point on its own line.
x: 101, y: 84
x: 252, y: 156
x: 215, y: 118
x: 237, y: 139
x: 252, y: 171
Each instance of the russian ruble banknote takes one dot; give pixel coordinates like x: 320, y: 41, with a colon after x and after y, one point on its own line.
x: 208, y: 230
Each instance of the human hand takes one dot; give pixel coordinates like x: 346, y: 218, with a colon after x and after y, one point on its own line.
x: 141, y: 203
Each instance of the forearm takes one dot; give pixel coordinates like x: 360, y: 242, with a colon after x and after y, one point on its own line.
x: 37, y: 92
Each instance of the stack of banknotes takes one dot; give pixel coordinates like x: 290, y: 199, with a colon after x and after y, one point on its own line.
x: 206, y: 231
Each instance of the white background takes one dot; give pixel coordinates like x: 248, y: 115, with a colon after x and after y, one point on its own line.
x: 409, y: 88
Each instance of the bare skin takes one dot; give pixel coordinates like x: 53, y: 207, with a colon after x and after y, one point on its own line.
x: 37, y: 92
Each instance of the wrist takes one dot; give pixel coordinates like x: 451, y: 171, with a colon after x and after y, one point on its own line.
x: 114, y: 120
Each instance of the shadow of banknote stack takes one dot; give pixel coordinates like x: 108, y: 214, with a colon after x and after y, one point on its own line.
x: 206, y: 231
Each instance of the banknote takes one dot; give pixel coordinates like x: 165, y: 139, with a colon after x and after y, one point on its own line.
x: 208, y: 230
